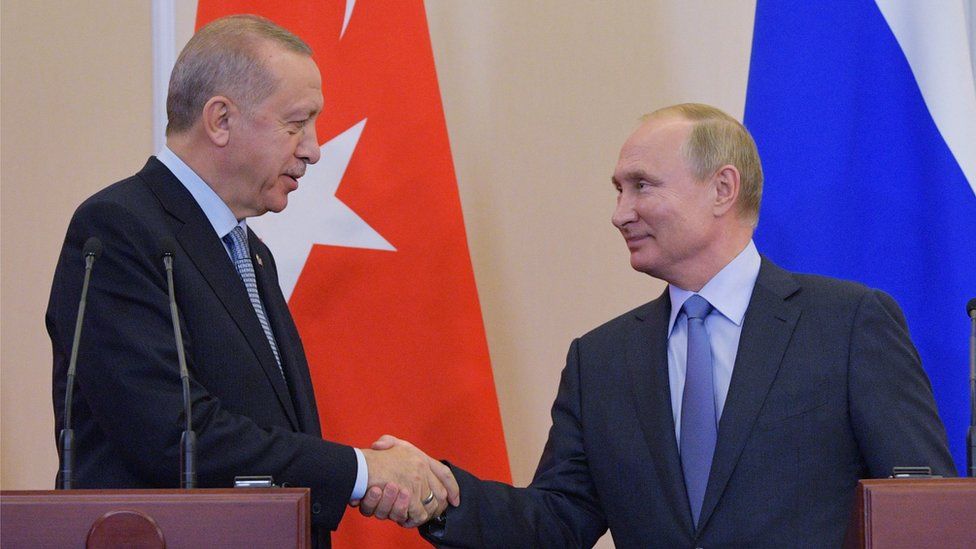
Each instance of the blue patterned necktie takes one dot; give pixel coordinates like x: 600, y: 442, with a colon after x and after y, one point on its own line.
x: 236, y: 241
x: 698, y: 423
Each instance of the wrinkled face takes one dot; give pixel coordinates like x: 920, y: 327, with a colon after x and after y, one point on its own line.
x: 272, y: 142
x: 663, y: 211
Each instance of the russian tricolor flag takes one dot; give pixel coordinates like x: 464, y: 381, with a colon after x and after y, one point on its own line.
x: 865, y: 117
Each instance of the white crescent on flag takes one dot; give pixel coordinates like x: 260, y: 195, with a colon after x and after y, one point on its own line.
x: 315, y: 215
x: 350, y: 4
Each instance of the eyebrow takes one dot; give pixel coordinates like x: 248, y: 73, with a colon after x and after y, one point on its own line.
x: 630, y: 175
x: 303, y: 114
x: 307, y: 110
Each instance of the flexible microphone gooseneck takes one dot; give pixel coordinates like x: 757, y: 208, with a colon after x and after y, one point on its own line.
x: 66, y: 441
x: 188, y: 440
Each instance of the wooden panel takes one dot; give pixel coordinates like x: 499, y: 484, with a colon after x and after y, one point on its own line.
x: 270, y: 518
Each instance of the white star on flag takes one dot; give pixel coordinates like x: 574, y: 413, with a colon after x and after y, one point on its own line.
x: 315, y: 215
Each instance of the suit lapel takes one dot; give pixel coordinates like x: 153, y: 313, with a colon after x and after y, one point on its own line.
x: 289, y: 343
x: 766, y: 332
x: 647, y: 362
x: 202, y: 246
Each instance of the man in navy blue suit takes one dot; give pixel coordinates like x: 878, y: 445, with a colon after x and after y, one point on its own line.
x: 243, y: 101
x: 739, y: 408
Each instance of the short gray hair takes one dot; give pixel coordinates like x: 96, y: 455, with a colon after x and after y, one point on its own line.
x: 222, y: 59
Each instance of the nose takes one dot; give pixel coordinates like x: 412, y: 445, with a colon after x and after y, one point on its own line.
x: 624, y: 212
x: 308, y: 148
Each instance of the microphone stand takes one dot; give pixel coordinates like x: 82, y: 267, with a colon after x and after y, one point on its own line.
x: 66, y: 439
x: 971, y: 435
x: 188, y: 440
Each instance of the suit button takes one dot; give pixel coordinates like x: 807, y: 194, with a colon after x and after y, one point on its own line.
x: 316, y: 508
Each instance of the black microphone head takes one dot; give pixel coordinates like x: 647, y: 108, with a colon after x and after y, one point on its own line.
x: 167, y: 246
x: 93, y: 248
x: 971, y: 307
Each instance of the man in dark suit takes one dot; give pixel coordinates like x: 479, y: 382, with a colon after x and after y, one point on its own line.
x: 740, y: 408
x: 242, y: 105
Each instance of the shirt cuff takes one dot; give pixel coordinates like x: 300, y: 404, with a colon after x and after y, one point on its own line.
x: 362, y: 475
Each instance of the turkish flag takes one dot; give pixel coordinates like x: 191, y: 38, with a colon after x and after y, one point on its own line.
x: 372, y: 249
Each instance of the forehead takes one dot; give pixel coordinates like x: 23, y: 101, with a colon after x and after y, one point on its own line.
x: 299, y: 83
x: 655, y: 146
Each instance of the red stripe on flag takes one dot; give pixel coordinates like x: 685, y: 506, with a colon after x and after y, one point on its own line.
x: 394, y: 339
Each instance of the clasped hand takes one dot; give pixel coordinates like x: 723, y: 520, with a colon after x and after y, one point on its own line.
x: 401, y: 482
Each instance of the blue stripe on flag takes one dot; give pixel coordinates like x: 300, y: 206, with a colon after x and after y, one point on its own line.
x: 859, y: 182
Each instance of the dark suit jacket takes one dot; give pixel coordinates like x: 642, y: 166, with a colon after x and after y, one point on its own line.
x: 827, y: 389
x: 128, y: 406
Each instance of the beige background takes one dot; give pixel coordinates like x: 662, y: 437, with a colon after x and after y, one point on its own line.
x: 538, y: 96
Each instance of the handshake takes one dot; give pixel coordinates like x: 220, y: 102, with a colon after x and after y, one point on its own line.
x: 405, y: 485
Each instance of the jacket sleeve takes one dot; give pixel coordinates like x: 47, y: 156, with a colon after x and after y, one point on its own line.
x: 893, y: 410
x: 560, y: 508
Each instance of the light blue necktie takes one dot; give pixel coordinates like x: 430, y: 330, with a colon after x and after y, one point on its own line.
x: 236, y: 241
x: 698, y: 423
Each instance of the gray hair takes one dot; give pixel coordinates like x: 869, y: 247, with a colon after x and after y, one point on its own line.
x: 222, y: 58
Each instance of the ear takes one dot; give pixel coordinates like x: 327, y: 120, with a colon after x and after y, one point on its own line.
x: 727, y: 187
x: 216, y: 119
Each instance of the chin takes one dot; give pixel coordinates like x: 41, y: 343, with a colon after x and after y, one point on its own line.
x: 278, y: 205
x: 639, y: 266
x: 642, y: 265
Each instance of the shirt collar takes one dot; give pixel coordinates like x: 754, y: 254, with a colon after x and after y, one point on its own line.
x: 729, y: 291
x: 218, y: 213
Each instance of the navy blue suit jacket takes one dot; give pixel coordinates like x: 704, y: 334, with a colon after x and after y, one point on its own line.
x: 128, y: 407
x: 827, y: 389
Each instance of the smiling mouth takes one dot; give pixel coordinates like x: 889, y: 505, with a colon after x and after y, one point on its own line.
x: 634, y: 240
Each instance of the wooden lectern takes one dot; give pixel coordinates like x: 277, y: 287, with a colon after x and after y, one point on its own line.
x: 913, y: 513
x: 255, y: 517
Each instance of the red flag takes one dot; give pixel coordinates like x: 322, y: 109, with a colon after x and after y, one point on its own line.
x: 374, y: 247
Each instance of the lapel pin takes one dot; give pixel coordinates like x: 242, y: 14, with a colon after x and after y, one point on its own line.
x: 258, y: 259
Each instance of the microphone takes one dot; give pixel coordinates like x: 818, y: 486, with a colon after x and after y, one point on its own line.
x: 188, y: 440
x: 971, y: 436
x: 66, y: 441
